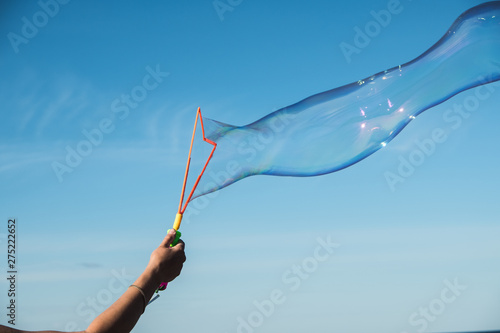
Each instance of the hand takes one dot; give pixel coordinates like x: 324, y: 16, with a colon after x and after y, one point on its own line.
x: 166, y: 262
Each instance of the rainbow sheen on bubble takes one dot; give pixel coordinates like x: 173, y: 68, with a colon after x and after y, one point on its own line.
x: 335, y: 129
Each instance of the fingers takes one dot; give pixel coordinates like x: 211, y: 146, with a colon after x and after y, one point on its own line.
x: 179, y: 257
x: 179, y: 251
x: 169, y: 238
x: 180, y: 245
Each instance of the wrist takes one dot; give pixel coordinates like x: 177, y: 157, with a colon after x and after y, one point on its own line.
x: 153, y: 273
x: 149, y: 280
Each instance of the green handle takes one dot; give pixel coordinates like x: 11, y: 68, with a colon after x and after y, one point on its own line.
x: 177, y: 237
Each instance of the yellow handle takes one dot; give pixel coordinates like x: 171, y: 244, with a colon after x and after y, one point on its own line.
x: 177, y: 222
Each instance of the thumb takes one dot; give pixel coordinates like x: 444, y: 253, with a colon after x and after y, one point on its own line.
x: 169, y: 238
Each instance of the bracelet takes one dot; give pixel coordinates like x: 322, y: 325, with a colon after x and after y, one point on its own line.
x: 143, y: 296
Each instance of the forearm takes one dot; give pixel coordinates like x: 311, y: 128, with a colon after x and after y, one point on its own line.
x: 123, y: 314
x: 165, y: 264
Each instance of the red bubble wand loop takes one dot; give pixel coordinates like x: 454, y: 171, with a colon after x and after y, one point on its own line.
x: 182, y: 209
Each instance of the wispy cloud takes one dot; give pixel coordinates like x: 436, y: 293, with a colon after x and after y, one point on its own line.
x: 157, y: 121
x: 63, y: 101
x: 100, y: 254
x: 42, y: 107
x: 181, y: 120
x: 19, y: 156
x: 90, y: 265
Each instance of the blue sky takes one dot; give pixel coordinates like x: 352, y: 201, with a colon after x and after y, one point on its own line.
x: 84, y: 236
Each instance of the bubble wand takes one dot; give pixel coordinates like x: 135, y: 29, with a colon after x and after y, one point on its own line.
x: 182, y: 209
